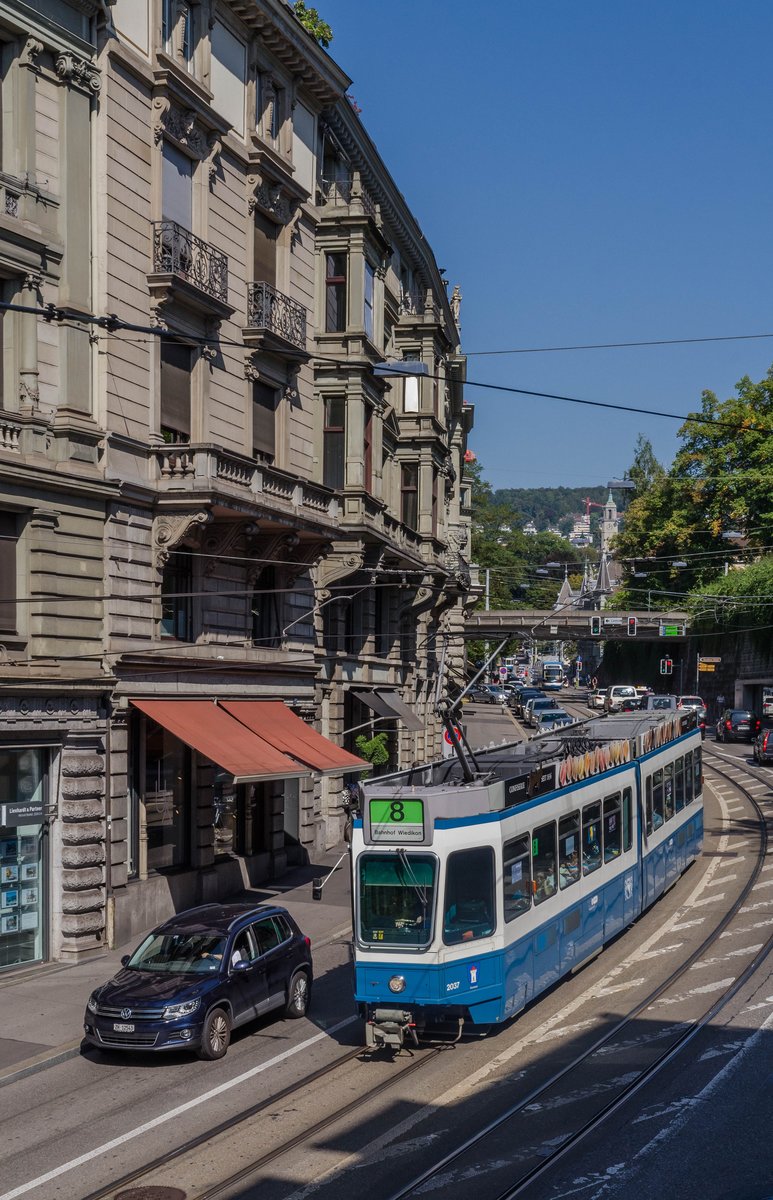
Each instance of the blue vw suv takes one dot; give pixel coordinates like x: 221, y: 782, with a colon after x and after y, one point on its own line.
x: 200, y: 975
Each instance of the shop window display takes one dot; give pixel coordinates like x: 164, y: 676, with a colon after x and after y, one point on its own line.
x: 22, y: 859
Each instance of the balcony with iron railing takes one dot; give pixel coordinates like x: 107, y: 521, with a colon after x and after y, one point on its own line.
x: 182, y: 260
x: 275, y: 321
x: 346, y: 193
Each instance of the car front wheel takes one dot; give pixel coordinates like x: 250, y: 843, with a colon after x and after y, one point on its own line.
x: 216, y: 1035
x: 298, y: 996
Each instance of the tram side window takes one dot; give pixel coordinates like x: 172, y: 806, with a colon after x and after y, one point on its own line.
x: 668, y: 791
x: 612, y: 829
x: 569, y: 850
x: 688, y: 777
x: 469, y: 901
x: 679, y: 783
x: 627, y: 815
x: 591, y: 838
x: 516, y: 877
x: 648, y: 812
x: 543, y: 853
x: 696, y: 769
x: 657, y: 799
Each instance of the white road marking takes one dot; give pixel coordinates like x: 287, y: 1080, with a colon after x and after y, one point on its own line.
x: 708, y: 900
x: 736, y: 933
x: 617, y: 987
x: 765, y: 883
x: 747, y: 908
x: 712, y: 962
x: 721, y: 1051
x: 673, y: 1128
x: 661, y: 950
x: 722, y: 880
x: 555, y: 1035
x: 687, y: 924
x: 170, y: 1115
x: 707, y: 989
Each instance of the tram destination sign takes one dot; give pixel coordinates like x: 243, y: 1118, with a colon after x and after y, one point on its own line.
x: 676, y: 630
x: 398, y: 821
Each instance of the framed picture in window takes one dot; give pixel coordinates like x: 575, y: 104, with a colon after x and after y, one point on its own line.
x: 29, y: 895
x: 9, y: 873
x: 29, y: 871
x: 9, y: 847
x: 9, y: 898
x: 29, y: 920
x: 9, y: 924
x: 28, y: 845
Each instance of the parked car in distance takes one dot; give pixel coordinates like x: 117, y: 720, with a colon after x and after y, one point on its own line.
x: 696, y: 703
x: 198, y: 976
x: 656, y: 703
x: 481, y: 693
x: 762, y: 746
x: 538, y: 704
x: 552, y: 718
x: 737, y: 725
x: 596, y: 698
x: 632, y: 704
x: 613, y: 701
x: 497, y: 694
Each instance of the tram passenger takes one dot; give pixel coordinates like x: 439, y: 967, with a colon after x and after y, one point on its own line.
x: 569, y: 871
x: 545, y: 881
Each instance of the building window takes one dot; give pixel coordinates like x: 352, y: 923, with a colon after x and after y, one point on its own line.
x: 175, y: 392
x: 168, y: 14
x: 264, y: 250
x: 263, y: 422
x: 367, y: 451
x: 9, y: 538
x: 166, y: 797
x: 409, y: 495
x: 435, y: 490
x: 334, y: 436
x: 177, y: 598
x: 335, y: 293
x: 266, y: 629
x: 23, y: 857
x: 383, y: 642
x: 370, y: 280
x: 228, y: 75
x: 177, y: 187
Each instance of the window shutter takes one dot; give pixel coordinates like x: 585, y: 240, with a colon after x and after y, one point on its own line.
x: 8, y: 541
x: 265, y: 250
x: 176, y: 390
x: 177, y: 185
x: 263, y: 421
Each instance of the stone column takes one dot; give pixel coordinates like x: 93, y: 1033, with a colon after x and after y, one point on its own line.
x: 83, y: 847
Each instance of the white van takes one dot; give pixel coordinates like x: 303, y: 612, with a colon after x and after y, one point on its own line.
x: 613, y: 701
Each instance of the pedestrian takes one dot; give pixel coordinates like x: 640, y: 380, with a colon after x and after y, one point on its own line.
x: 720, y: 704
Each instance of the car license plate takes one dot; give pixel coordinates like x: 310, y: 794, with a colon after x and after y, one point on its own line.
x: 743, y: 725
x: 118, y: 1027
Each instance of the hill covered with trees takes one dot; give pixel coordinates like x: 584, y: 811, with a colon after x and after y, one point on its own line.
x: 548, y: 506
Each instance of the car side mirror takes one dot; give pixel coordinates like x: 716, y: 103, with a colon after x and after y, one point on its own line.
x: 241, y: 965
x: 125, y: 960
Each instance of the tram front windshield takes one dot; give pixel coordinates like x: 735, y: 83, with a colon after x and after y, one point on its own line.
x: 396, y: 898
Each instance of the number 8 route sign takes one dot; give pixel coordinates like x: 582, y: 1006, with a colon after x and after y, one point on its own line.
x: 397, y: 821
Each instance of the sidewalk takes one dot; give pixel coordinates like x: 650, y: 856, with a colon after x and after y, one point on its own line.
x: 41, y: 1008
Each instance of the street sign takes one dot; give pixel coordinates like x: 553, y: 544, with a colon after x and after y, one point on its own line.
x: 706, y: 659
x: 503, y: 672
x: 706, y: 666
x: 613, y: 620
x: 456, y: 735
x: 671, y: 630
x: 553, y: 629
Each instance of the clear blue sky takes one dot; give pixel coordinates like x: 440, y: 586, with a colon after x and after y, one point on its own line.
x: 587, y: 172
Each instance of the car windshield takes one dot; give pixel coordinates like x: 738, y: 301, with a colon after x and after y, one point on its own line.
x: 692, y: 702
x: 179, y: 953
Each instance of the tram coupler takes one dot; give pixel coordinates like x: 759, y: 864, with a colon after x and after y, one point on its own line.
x: 390, y: 1027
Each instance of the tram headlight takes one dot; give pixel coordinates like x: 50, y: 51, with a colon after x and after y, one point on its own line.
x: 397, y: 983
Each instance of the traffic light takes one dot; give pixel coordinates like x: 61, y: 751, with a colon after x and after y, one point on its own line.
x: 632, y: 626
x: 666, y: 666
x: 595, y: 626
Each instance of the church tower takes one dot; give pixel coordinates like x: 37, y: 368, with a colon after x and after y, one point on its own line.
x: 609, y: 524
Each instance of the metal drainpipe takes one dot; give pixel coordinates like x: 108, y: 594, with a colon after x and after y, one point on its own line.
x: 109, y: 903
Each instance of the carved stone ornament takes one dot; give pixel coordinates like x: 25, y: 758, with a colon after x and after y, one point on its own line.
x: 78, y: 70
x: 29, y: 394
x: 215, y: 146
x: 251, y: 371
x: 225, y: 539
x: 269, y: 198
x: 169, y: 531
x: 157, y: 317
x: 181, y: 125
x: 31, y: 52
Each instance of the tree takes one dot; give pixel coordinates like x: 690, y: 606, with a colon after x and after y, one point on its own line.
x: 720, y: 481
x: 645, y: 470
x: 313, y: 23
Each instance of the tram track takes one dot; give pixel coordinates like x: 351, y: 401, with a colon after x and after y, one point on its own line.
x: 249, y: 1172
x: 544, y: 1156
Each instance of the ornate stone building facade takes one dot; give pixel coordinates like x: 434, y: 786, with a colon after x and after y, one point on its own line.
x: 211, y: 495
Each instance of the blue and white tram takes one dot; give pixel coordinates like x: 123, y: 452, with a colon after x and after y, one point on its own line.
x: 474, y: 895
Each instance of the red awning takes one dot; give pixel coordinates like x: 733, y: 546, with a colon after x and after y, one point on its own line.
x: 274, y: 721
x: 206, y: 727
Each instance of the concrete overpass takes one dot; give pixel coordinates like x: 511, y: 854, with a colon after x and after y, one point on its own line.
x: 574, y: 624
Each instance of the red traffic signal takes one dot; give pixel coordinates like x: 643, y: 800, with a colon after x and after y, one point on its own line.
x: 632, y: 626
x: 666, y: 666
